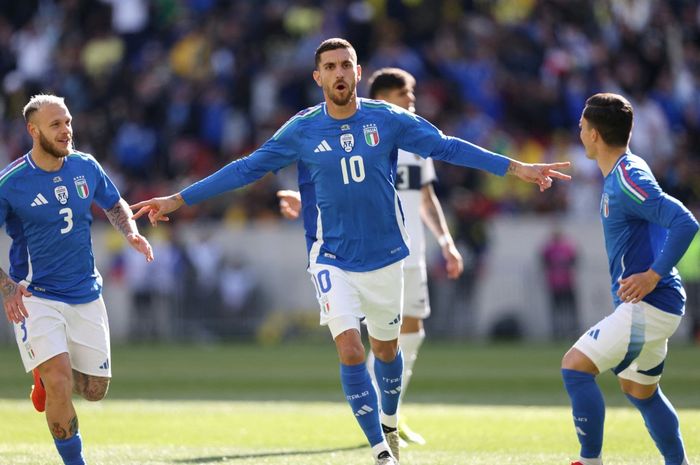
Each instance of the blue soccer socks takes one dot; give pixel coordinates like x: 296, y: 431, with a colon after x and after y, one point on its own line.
x: 661, y: 420
x: 389, y: 384
x: 71, y: 450
x: 588, y: 409
x: 362, y: 398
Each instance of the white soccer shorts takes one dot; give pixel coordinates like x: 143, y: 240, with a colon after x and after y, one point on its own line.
x: 54, y: 327
x: 416, y: 303
x: 345, y: 297
x: 631, y: 341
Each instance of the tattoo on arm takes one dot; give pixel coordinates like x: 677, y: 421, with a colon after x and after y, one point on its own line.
x: 8, y: 287
x: 511, y: 168
x: 120, y: 217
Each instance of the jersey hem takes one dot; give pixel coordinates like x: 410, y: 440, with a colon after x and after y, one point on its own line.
x: 363, y: 268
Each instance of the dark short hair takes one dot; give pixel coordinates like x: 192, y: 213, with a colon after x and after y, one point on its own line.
x: 333, y: 44
x: 611, y: 115
x: 389, y: 79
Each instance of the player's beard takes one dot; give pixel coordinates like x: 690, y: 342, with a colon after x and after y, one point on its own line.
x: 52, y: 149
x: 337, y: 99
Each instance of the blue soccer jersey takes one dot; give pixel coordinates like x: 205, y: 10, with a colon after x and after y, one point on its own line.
x: 644, y: 228
x: 352, y: 214
x: 47, y: 215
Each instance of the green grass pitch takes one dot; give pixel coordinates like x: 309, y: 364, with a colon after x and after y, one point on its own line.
x: 244, y: 404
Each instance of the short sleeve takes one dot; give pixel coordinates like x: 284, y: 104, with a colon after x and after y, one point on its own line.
x: 106, y: 193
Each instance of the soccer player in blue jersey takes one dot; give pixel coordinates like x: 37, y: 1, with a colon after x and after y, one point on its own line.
x: 53, y: 291
x: 414, y: 184
x: 646, y: 233
x: 345, y: 153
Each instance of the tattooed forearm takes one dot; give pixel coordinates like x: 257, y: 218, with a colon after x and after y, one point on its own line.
x: 120, y: 217
x: 8, y: 287
x: 511, y: 168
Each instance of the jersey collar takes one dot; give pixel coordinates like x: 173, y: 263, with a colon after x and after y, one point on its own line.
x: 619, y: 160
x: 28, y: 158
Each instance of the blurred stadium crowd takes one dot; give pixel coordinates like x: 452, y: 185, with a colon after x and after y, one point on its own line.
x: 163, y: 92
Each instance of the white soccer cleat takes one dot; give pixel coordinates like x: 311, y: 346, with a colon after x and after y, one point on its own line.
x: 393, y: 439
x: 385, y: 458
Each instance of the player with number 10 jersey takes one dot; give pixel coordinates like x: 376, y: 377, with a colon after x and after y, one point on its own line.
x: 352, y: 214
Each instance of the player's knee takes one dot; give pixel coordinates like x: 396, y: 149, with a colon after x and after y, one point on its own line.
x: 351, y: 355
x: 350, y: 348
x: 636, y: 390
x: 57, y: 382
x: 385, y: 352
x: 571, y: 360
x: 566, y: 361
x: 577, y: 360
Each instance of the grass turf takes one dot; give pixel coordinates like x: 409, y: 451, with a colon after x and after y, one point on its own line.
x: 244, y: 404
x: 300, y: 433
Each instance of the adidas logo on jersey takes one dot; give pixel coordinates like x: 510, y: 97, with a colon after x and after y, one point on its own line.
x: 323, y: 147
x: 39, y: 200
x: 105, y: 365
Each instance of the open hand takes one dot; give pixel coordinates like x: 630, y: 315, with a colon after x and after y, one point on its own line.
x: 141, y: 244
x: 12, y: 299
x: 290, y: 204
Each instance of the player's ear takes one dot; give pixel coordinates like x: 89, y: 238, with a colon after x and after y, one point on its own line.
x: 317, y: 77
x: 32, y: 129
x: 359, y: 73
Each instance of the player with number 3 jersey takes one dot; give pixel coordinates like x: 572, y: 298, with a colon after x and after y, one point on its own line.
x: 53, y: 291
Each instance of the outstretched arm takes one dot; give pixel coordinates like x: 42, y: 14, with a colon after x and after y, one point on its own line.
x: 12, y: 294
x: 416, y: 135
x: 120, y: 217
x: 434, y: 218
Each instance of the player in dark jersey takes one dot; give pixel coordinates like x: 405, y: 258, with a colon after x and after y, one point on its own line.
x: 345, y: 150
x: 646, y: 233
x: 53, y: 291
